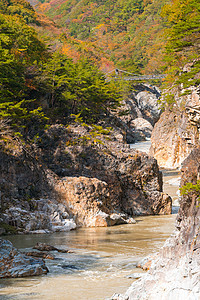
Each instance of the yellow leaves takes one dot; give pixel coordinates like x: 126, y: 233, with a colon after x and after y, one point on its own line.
x: 100, y: 26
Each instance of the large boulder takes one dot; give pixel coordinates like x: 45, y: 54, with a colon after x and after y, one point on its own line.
x: 65, y: 181
x: 88, y: 199
x: 105, y: 179
x: 16, y: 264
x: 148, y: 103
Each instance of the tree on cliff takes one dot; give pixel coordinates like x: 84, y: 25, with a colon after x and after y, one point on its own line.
x: 74, y: 88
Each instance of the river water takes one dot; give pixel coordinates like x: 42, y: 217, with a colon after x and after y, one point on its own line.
x: 103, y: 258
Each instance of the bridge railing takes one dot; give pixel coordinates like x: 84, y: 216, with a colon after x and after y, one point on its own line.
x: 133, y: 77
x: 144, y: 77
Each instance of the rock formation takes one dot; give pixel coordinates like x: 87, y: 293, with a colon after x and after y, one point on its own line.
x: 65, y: 182
x: 16, y: 264
x: 25, y: 196
x: 114, y: 177
x: 138, y: 114
x: 174, y: 135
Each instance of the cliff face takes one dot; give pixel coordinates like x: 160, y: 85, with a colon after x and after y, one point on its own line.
x: 175, y: 271
x: 173, y: 138
x: 174, y: 135
x: 133, y: 179
x: 60, y: 183
x: 27, y: 200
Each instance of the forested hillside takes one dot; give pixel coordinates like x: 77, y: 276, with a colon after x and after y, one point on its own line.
x: 49, y: 72
x: 39, y: 86
x: 124, y: 34
x: 182, y: 48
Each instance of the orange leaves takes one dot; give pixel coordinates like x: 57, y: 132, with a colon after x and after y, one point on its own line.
x: 110, y: 32
x: 71, y: 52
x: 106, y: 65
x: 43, y: 7
x: 29, y: 84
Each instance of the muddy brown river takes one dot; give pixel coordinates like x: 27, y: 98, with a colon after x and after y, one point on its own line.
x: 102, y: 261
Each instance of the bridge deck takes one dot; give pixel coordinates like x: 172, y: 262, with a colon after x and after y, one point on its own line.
x: 144, y: 77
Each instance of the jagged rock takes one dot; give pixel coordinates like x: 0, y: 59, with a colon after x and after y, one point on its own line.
x: 16, y: 264
x: 148, y: 103
x: 161, y: 203
x: 47, y: 216
x: 89, y: 200
x: 80, y: 184
x: 137, y: 114
x: 172, y: 139
x: 125, y: 179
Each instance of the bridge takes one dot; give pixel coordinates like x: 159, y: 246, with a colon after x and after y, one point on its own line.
x: 133, y: 77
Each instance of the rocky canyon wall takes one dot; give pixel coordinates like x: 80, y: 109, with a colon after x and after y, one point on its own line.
x: 177, y: 131
x: 61, y: 184
x: 136, y: 117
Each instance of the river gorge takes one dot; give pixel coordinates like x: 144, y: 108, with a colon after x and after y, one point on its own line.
x: 99, y: 150
x: 104, y: 259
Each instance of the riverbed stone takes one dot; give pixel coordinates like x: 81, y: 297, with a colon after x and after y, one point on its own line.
x: 45, y: 247
x: 14, y: 264
x: 135, y: 276
x: 40, y: 254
